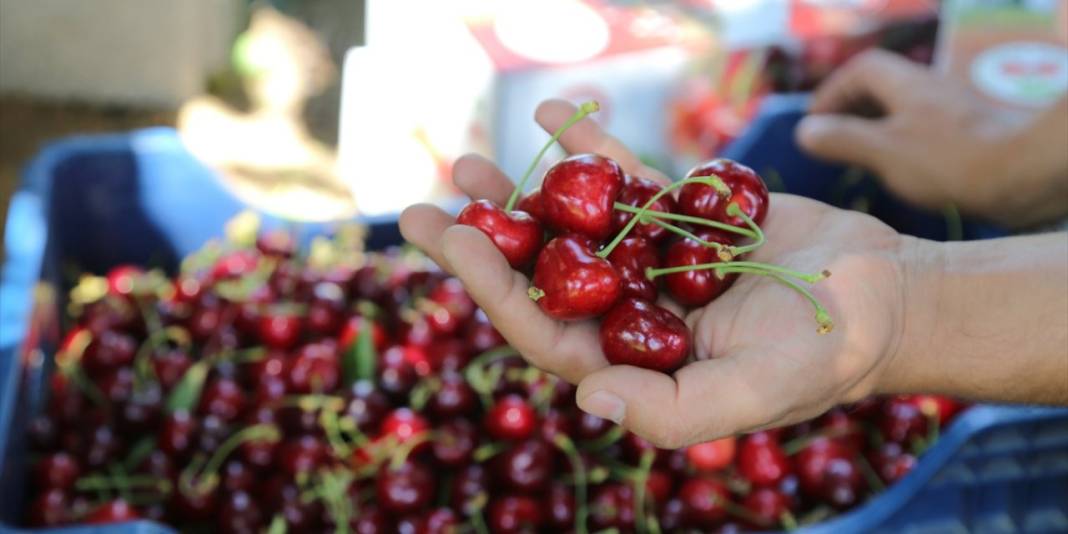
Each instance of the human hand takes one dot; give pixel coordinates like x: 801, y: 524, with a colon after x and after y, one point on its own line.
x: 933, y: 141
x: 758, y: 358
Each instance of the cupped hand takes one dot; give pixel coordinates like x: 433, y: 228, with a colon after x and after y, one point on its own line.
x: 758, y: 359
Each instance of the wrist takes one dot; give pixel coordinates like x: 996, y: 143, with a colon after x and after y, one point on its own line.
x: 921, y: 268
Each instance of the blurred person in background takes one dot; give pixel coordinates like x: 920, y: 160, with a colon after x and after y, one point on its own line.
x: 982, y: 320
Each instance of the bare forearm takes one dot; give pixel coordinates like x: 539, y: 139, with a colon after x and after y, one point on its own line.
x: 986, y: 320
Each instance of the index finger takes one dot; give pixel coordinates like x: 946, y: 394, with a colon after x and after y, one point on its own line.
x: 876, y: 74
x: 588, y: 136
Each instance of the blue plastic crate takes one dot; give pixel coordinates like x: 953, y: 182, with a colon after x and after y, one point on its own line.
x: 94, y: 202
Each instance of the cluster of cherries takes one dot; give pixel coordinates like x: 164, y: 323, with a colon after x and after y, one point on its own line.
x: 263, y: 389
x: 696, y: 243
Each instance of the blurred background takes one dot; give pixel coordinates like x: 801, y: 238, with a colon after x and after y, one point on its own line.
x: 320, y: 109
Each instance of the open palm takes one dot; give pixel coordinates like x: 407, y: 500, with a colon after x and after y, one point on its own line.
x: 759, y: 360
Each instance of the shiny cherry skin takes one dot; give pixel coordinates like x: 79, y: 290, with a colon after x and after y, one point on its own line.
x: 767, y: 506
x: 937, y: 406
x: 513, y: 514
x: 516, y: 234
x: 702, y: 500
x: 573, y: 282
x: 114, y: 511
x: 355, y: 324
x: 762, y: 461
x: 639, y: 333
x: 223, y: 397
x: 235, y: 264
x: 108, y: 350
x: 50, y: 508
x: 480, y: 335
x: 302, y: 454
x: 453, y: 398
x: 577, y: 194
x: 366, y: 405
x: 178, y: 435
x: 396, y: 373
x: 403, y: 424
x: 590, y: 427
x: 844, y: 427
x: 122, y: 279
x: 695, y: 288
x: 712, y: 456
x: 559, y: 506
x: 636, y: 192
x: 511, y: 418
x: 631, y: 258
x: 902, y: 421
x: 471, y: 481
x: 527, y: 467
x: 406, y: 489
x: 748, y: 191
x: 891, y: 461
x: 826, y: 469
x: 315, y: 368
x: 170, y: 366
x: 239, y: 514
x: 455, y: 441
x: 58, y: 470
x: 326, y: 309
x: 280, y: 329
x: 370, y: 520
x: 531, y: 203
x: 449, y: 307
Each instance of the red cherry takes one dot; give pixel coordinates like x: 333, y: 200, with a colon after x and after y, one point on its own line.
x: 891, y: 461
x: 470, y: 482
x: 553, y: 423
x: 350, y: 332
x: 239, y: 514
x: 108, y: 350
x: 370, y: 520
x: 631, y: 258
x: 301, y: 455
x: 532, y: 205
x: 636, y: 192
x: 514, y: 514
x: 695, y: 288
x: 450, y: 307
x: 282, y: 495
x: 235, y: 264
x: 591, y: 427
x: 224, y: 398
x: 122, y: 279
x: 115, y: 511
x: 481, y: 335
x: 366, y: 405
x: 826, y: 469
x: 280, y: 330
x: 50, y: 508
x: 577, y: 194
x: 659, y: 485
x: 454, y: 442
x: 442, y: 521
x: 635, y: 446
x: 404, y: 490
x: 511, y: 418
x: 937, y: 406
x: 237, y: 476
x: 901, y: 421
x: 612, y: 505
x: 761, y: 460
x: 703, y: 501
x: 403, y: 424
x: 454, y: 398
x: 560, y: 506
x: 712, y: 456
x: 673, y: 516
x: 314, y: 369
x: 325, y: 309
x: 57, y: 470
x: 748, y: 191
x: 178, y: 434
x: 397, y: 374
x: 640, y: 333
x: 844, y: 427
x: 767, y: 506
x: 276, y: 243
x: 574, y: 283
x: 527, y: 467
x: 516, y: 234
x: 170, y: 366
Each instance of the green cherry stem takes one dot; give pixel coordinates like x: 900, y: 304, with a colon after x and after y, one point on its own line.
x: 749, y: 267
x: 194, y: 483
x: 583, y: 110
x: 578, y: 468
x: 720, y: 247
x: 653, y: 214
x: 823, y: 319
x: 713, y: 181
x: 735, y: 211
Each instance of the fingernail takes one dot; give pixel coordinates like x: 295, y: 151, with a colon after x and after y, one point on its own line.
x: 604, y: 405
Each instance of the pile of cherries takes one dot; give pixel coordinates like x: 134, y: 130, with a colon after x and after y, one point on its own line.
x: 268, y: 390
x: 696, y: 243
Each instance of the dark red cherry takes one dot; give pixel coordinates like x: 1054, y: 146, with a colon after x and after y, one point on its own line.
x: 57, y: 470
x: 703, y: 501
x: 695, y: 288
x: 640, y: 333
x: 577, y: 194
x: 454, y: 442
x: 748, y: 191
x: 114, y: 511
x: 636, y: 192
x: 511, y: 418
x: 527, y: 467
x: 761, y: 460
x: 516, y: 234
x: 531, y: 204
x: 572, y: 283
x: 513, y: 514
x: 405, y: 489
x: 631, y: 258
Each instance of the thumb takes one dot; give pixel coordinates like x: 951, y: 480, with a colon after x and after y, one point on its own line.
x: 843, y: 138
